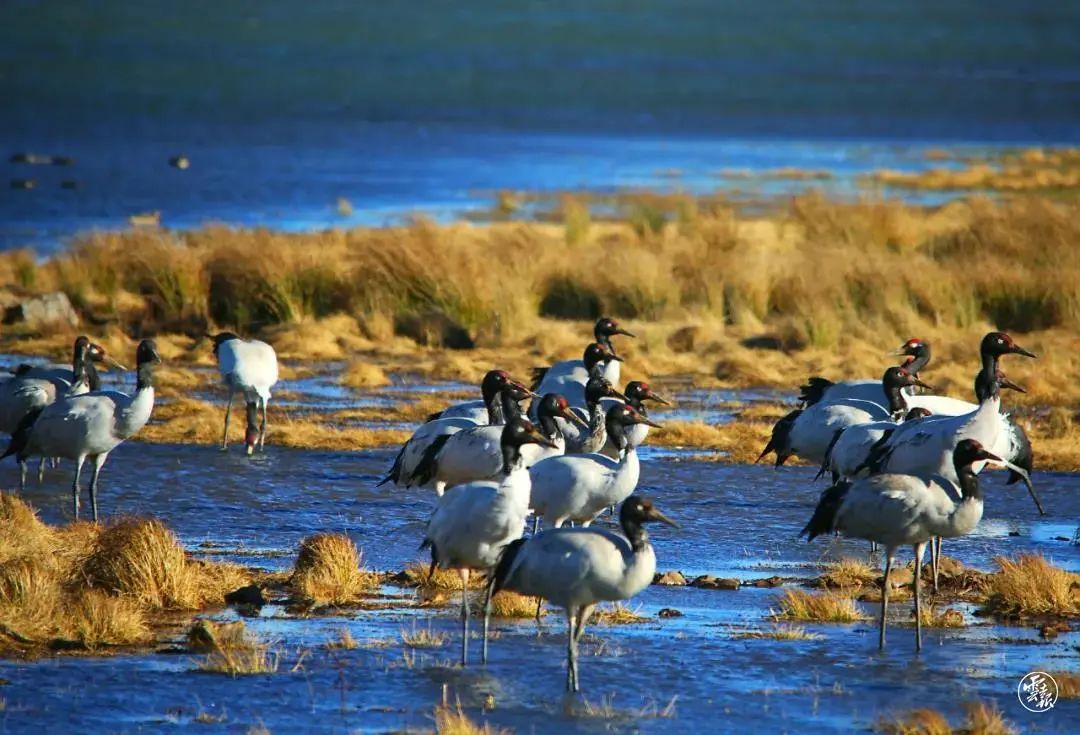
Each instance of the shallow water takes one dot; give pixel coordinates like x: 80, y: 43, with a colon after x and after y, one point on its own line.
x: 739, y: 521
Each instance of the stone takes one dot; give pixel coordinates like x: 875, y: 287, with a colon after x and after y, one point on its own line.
x: 671, y: 578
x: 48, y: 309
x: 669, y: 612
x: 249, y: 595
x: 773, y: 581
x: 709, y: 582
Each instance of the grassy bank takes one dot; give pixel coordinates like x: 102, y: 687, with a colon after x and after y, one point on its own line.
x: 717, y: 298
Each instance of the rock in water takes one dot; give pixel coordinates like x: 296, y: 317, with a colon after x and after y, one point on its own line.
x: 48, y: 309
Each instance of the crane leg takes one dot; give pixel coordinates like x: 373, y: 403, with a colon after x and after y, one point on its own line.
x: 464, y: 616
x: 919, y: 548
x: 487, y: 620
x: 22, y: 475
x: 935, y: 559
x: 228, y: 414
x: 41, y: 471
x: 885, y: 598
x: 262, y: 428
x: 571, y: 653
x: 99, y: 462
x: 536, y: 523
x: 75, y: 485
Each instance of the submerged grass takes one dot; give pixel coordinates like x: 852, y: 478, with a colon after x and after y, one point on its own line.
x: 779, y: 633
x: 818, y: 607
x: 423, y: 637
x: 453, y: 721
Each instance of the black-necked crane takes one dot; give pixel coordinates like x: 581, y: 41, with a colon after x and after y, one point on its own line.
x: 578, y: 487
x: 488, y: 411
x: 90, y: 425
x: 248, y: 366
x: 503, y: 404
x: 809, y: 432
x: 823, y: 390
x: 897, y: 510
x: 475, y: 454
x: 578, y: 370
x: 593, y: 436
x: 578, y: 568
x: 925, y: 447
x: 573, y: 384
x: 473, y: 523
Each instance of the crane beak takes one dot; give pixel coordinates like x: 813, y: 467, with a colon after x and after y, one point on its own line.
x: 1006, y: 383
x: 916, y: 381
x: 1017, y: 349
x: 639, y: 419
x: 613, y: 356
x: 655, y: 515
x: 1024, y: 475
x: 616, y: 394
x: 538, y: 438
x: 114, y: 364
x: 658, y: 399
x: 568, y: 414
x: 623, y: 332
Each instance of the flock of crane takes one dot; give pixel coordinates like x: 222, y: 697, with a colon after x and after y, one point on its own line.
x: 904, y: 465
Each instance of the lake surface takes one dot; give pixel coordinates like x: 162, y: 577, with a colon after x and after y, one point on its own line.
x: 431, y: 107
x: 737, y: 521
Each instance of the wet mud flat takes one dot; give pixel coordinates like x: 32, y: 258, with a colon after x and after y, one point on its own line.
x: 692, y: 668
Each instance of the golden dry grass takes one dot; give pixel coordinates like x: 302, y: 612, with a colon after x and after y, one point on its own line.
x: 933, y: 617
x: 363, y: 374
x: 1031, y: 585
x: 618, y: 614
x: 95, y: 586
x: 980, y: 719
x: 818, y: 607
x: 848, y: 573
x: 453, y: 721
x: 441, y: 579
x: 507, y: 604
x: 252, y: 657
x: 328, y: 570
x: 1068, y: 683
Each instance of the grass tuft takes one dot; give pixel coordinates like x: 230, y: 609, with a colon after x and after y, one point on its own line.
x: 231, y: 649
x: 142, y: 559
x: 328, y: 570
x: 818, y: 607
x: 618, y: 614
x: 848, y: 573
x: 344, y: 641
x: 980, y: 719
x: 453, y: 721
x: 1030, y: 585
x: 423, y: 637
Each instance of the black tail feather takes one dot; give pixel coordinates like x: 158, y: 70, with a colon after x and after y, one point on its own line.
x: 824, y: 518
x: 21, y: 437
x: 1023, y: 457
x: 394, y: 475
x: 537, y: 375
x: 876, y: 458
x: 827, y: 459
x: 814, y: 390
x: 499, y: 578
x: 433, y: 416
x: 429, y: 462
x: 780, y: 441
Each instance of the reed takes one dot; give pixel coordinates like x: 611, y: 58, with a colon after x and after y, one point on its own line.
x: 820, y: 607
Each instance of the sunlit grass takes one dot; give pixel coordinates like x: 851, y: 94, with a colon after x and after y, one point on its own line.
x: 818, y: 607
x: 980, y: 719
x: 1031, y: 585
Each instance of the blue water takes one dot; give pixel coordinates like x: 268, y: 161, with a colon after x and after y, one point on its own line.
x: 428, y: 106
